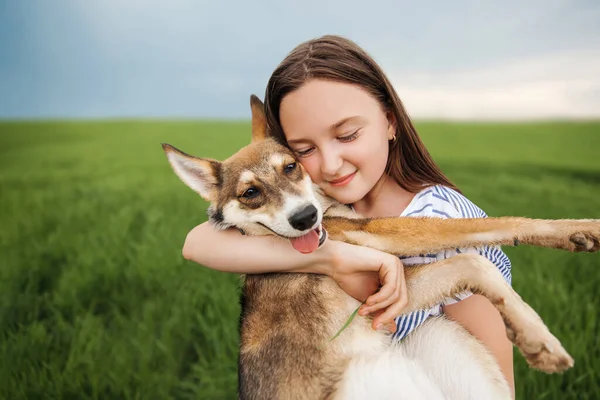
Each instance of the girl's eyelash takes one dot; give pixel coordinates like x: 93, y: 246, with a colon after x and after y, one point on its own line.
x: 304, y: 152
x: 349, y: 137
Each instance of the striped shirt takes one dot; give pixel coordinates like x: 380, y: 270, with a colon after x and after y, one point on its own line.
x: 443, y: 202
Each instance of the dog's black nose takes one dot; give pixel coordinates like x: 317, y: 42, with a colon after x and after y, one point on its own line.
x: 304, y: 218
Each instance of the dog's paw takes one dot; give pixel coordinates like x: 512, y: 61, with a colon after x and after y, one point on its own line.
x: 576, y: 235
x: 585, y: 241
x: 547, y: 354
x: 540, y: 348
x: 555, y: 361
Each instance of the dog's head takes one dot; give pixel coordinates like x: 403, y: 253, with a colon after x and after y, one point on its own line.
x: 261, y: 190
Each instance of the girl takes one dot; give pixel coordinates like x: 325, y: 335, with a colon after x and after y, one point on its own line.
x: 333, y: 106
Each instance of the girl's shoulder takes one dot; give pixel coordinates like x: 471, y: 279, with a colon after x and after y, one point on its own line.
x: 443, y: 202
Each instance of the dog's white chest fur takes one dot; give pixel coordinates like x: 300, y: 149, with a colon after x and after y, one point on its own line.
x: 439, y: 360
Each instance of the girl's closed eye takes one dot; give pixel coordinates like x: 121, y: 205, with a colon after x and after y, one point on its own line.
x: 350, y: 137
x: 304, y: 152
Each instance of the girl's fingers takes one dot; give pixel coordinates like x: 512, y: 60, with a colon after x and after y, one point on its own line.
x: 389, y: 325
x: 395, y: 308
x: 388, y: 275
x: 365, y: 309
x: 386, y: 318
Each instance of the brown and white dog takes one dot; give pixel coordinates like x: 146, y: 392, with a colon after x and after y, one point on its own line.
x: 288, y: 318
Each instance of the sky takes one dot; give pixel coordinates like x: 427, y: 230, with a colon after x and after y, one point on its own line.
x: 459, y: 60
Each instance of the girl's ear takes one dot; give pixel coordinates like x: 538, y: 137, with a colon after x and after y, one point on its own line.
x: 391, y: 131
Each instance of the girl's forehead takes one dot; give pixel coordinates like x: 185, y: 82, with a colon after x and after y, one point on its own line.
x: 326, y: 104
x: 321, y: 91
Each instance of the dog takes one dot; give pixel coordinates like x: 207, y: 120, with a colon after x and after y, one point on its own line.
x: 288, y: 319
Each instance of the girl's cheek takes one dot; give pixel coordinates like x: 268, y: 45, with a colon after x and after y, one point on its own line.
x: 311, y: 166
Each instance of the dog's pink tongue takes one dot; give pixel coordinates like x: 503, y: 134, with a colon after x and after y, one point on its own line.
x: 307, y: 243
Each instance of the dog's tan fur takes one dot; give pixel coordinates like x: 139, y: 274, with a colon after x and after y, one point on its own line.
x: 287, y: 319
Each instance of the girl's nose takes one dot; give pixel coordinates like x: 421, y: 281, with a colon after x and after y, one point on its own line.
x: 331, y: 161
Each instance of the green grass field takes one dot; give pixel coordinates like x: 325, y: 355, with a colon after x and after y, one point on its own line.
x: 97, y: 302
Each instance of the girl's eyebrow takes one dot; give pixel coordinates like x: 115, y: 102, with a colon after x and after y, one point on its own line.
x: 342, y: 122
x: 296, y: 141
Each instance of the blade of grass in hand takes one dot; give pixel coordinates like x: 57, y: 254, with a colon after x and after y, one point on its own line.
x: 347, y: 322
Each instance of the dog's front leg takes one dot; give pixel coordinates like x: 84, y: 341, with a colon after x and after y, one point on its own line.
x: 430, y: 284
x: 410, y: 236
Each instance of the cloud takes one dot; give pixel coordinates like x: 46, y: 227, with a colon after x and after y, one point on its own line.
x: 555, y: 86
x: 197, y: 58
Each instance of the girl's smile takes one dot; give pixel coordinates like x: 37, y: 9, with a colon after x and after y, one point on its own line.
x: 343, y: 181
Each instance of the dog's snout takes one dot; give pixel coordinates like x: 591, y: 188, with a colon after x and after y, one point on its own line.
x: 304, y: 219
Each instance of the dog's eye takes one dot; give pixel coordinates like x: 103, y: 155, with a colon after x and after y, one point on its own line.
x: 289, y: 168
x: 251, y: 193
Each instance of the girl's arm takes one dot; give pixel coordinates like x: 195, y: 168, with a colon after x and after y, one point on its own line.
x: 358, y: 270
x: 230, y: 251
x: 477, y: 314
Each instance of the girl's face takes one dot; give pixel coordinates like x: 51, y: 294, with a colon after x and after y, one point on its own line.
x: 340, y: 135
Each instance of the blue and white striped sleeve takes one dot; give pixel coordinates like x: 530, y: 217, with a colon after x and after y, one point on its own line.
x: 467, y: 209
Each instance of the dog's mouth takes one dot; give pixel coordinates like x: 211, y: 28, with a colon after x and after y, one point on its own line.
x: 310, y: 241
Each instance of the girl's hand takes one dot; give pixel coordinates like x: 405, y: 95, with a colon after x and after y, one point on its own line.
x: 361, y: 271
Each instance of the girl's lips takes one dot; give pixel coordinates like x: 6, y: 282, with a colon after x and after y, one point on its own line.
x: 343, y: 180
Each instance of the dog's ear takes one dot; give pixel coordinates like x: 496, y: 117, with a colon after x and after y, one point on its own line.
x: 259, y: 120
x: 200, y: 174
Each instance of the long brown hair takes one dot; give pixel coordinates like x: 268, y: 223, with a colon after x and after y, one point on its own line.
x: 338, y: 59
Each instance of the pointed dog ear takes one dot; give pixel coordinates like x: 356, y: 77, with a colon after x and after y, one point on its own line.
x: 202, y: 175
x: 259, y: 119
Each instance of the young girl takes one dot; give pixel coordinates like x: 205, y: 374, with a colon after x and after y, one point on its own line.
x: 333, y: 106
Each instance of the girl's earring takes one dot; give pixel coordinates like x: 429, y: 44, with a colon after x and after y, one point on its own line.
x: 393, y: 138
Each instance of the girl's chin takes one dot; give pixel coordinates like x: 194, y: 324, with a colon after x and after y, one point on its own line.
x: 345, y: 196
